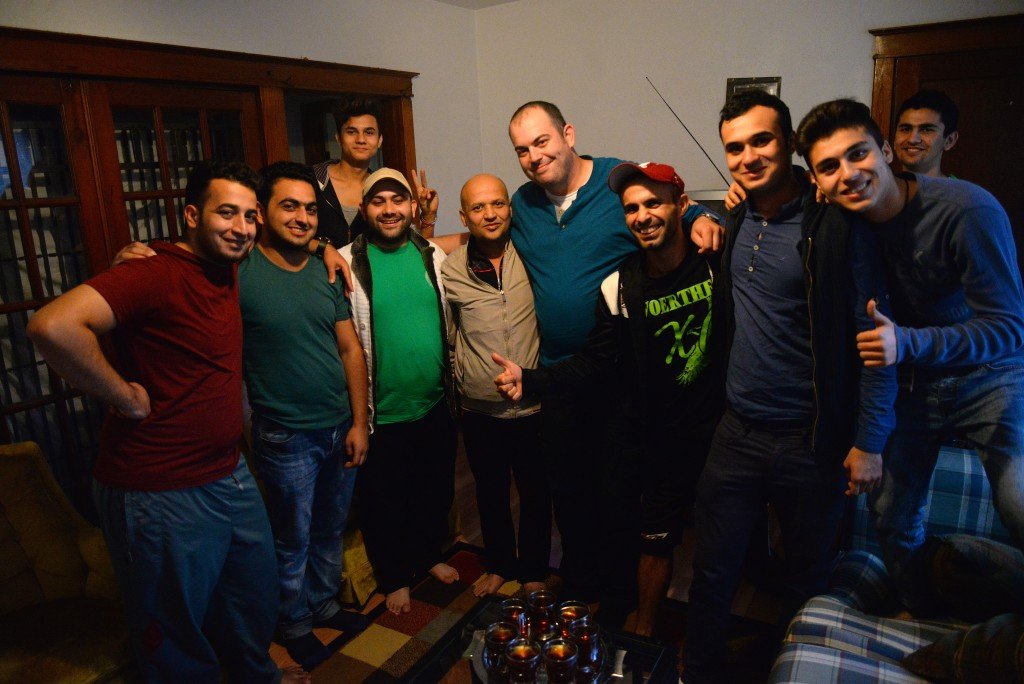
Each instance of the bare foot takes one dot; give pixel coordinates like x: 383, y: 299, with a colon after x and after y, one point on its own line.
x: 531, y: 587
x: 488, y: 584
x: 294, y: 675
x: 445, y: 573
x: 398, y: 601
x: 633, y: 624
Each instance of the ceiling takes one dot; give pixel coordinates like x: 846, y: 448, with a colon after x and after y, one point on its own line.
x: 475, y: 4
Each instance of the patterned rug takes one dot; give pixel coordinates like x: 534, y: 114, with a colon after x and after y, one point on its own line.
x: 392, y: 645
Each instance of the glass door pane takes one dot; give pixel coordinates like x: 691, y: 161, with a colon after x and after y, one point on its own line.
x: 154, y: 168
x: 41, y: 256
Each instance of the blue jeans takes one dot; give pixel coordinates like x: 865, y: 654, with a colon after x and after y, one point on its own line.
x: 309, y: 492
x: 984, y: 406
x: 196, y: 570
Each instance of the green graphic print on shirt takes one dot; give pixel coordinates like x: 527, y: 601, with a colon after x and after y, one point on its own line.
x: 678, y: 316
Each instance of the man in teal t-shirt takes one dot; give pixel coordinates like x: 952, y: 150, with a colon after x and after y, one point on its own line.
x: 398, y: 305
x: 306, y: 376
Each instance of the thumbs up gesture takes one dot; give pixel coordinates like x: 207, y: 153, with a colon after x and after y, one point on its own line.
x: 877, y: 347
x: 510, y: 382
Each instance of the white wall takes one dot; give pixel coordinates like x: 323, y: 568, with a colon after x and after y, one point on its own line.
x: 433, y: 39
x: 590, y: 57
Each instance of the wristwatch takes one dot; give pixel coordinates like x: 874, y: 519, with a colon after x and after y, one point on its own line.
x: 322, y: 246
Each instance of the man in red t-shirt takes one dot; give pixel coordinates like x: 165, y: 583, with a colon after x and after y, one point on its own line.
x: 181, y: 513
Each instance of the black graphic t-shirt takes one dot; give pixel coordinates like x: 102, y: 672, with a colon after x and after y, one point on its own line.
x: 685, y: 387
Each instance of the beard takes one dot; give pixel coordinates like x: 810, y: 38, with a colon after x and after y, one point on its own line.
x: 388, y: 239
x: 210, y: 248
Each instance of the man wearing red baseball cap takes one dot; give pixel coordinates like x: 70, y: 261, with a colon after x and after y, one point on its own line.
x: 652, y: 352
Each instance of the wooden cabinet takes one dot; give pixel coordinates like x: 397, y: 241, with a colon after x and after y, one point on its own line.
x: 97, y: 137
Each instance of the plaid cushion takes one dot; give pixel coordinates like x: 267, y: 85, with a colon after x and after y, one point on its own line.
x: 812, y: 664
x: 959, y: 501
x: 835, y: 638
x: 825, y: 621
x: 859, y: 580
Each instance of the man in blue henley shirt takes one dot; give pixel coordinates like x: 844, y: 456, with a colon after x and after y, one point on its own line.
x: 802, y: 423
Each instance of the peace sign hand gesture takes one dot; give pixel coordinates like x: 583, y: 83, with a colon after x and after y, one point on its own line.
x: 426, y: 198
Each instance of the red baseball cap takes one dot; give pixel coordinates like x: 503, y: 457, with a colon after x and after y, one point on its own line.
x: 663, y: 173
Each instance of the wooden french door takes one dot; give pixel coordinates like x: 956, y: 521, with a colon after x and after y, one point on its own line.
x: 98, y: 157
x: 85, y: 168
x: 980, y: 65
x: 48, y: 240
x: 151, y: 136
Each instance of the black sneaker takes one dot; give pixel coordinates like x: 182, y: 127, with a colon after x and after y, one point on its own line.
x: 306, y: 650
x: 345, y: 621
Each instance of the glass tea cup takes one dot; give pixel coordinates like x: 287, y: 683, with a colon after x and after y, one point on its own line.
x: 560, y: 660
x: 541, y: 615
x: 514, y: 610
x: 496, y: 640
x: 587, y: 636
x: 523, y: 658
x: 568, y: 613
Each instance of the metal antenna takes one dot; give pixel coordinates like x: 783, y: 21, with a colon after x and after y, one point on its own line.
x: 717, y: 170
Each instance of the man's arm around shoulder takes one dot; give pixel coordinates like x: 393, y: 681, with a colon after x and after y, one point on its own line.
x: 450, y: 242
x: 66, y: 332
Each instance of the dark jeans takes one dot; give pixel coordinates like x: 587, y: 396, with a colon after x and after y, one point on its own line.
x: 309, y: 491
x: 404, y: 492
x: 499, y: 449
x: 197, y: 572
x: 746, y: 469
x: 985, y: 407
x: 595, y: 490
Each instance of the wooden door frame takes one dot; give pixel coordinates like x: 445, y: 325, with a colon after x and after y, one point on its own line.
x: 894, y: 43
x: 71, y: 56
x: 107, y: 96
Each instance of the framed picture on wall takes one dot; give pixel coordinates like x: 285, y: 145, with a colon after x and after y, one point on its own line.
x: 770, y: 84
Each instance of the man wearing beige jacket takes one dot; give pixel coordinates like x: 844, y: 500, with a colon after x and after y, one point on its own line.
x: 492, y: 305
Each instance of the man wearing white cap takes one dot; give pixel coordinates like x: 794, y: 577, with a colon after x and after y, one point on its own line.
x: 651, y: 349
x: 402, y: 318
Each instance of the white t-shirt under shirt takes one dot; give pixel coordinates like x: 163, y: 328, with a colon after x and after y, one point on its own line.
x: 561, y: 202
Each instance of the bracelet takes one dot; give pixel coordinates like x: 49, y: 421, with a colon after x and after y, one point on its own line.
x: 427, y: 224
x: 322, y: 246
